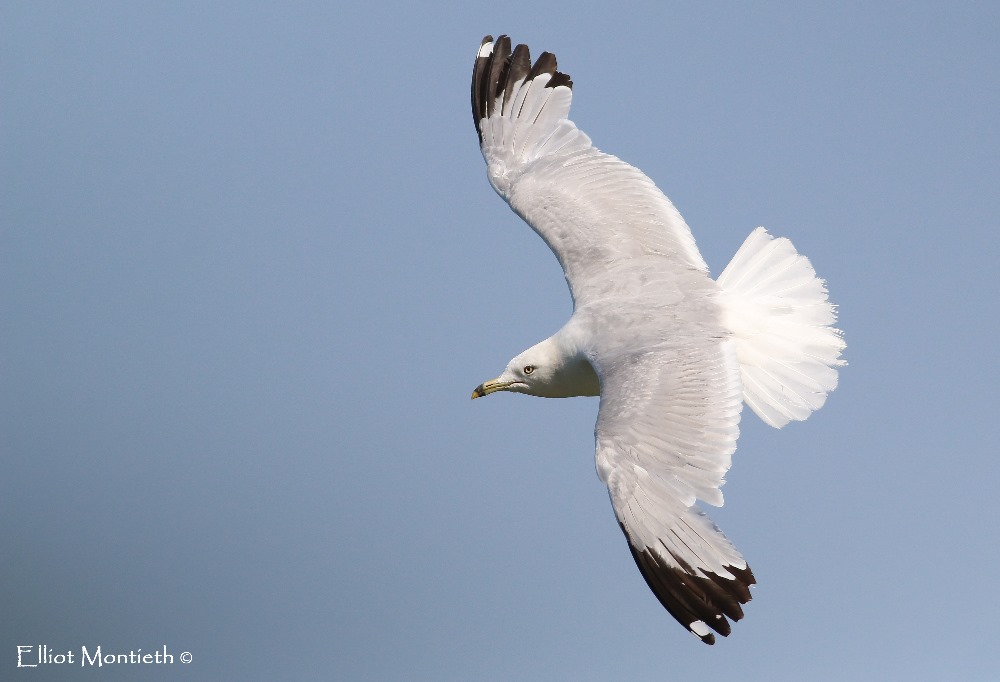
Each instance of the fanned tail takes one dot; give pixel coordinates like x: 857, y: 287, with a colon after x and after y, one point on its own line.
x: 782, y: 322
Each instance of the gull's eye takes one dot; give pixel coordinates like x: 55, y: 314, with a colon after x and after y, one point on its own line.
x: 529, y: 369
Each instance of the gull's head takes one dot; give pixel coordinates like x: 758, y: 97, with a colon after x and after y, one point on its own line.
x: 531, y: 372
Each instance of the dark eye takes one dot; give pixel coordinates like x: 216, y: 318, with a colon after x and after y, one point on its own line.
x: 529, y: 369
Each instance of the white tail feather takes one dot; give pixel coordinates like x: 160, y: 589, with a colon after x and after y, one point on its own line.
x: 777, y: 309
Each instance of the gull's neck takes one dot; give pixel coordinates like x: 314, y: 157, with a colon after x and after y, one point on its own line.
x: 573, y: 375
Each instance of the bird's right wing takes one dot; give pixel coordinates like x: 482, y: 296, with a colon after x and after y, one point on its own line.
x: 599, y: 215
x: 666, y: 431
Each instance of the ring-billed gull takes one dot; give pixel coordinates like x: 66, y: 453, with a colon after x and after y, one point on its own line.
x: 672, y: 353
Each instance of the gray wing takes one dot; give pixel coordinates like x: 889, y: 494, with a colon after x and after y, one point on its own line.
x: 596, y: 212
x: 666, y: 432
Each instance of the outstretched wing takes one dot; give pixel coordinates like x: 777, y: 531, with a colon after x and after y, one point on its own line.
x: 666, y: 432
x: 597, y: 213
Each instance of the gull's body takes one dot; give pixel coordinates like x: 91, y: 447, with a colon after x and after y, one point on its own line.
x: 672, y: 352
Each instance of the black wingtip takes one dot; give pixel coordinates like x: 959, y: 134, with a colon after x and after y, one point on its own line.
x: 479, y: 71
x: 497, y: 68
x: 560, y: 78
x: 497, y: 72
x: 697, y: 601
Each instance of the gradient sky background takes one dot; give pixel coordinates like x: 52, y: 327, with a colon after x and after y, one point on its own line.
x: 251, y: 270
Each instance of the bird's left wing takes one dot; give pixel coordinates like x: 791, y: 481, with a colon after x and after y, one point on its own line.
x: 597, y: 213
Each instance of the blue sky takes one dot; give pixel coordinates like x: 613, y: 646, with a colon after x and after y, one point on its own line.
x: 252, y: 269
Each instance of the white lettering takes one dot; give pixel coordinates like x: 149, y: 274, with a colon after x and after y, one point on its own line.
x: 23, y: 649
x: 99, y: 658
x: 87, y: 659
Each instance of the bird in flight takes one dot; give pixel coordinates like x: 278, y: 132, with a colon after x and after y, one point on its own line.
x: 672, y: 353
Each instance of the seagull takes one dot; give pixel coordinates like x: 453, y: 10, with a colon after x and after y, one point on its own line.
x: 672, y: 353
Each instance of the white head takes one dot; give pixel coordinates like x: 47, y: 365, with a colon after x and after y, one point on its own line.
x: 544, y: 370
